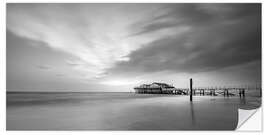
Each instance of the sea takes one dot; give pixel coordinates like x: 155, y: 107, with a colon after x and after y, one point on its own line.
x: 123, y: 111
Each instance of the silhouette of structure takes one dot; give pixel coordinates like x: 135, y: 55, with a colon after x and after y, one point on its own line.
x: 164, y: 88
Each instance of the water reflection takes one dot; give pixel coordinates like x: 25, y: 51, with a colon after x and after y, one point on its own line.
x: 242, y: 100
x: 193, y: 119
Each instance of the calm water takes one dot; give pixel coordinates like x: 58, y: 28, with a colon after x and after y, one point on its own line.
x: 123, y: 111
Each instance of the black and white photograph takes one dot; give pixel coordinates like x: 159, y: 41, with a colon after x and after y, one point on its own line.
x: 132, y: 66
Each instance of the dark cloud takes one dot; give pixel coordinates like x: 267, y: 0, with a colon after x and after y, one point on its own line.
x: 199, y: 15
x: 227, y: 37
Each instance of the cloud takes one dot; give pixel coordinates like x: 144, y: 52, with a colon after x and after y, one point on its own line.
x: 60, y: 75
x: 198, y: 15
x: 124, y: 44
x: 105, y: 41
x: 91, y: 33
x: 214, y: 41
x: 44, y: 67
x: 74, y: 63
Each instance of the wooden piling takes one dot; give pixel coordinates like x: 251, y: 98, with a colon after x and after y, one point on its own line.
x: 191, y: 91
x: 203, y: 91
x: 260, y: 92
x: 240, y: 93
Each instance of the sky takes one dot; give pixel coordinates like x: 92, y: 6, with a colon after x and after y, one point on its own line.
x: 115, y: 47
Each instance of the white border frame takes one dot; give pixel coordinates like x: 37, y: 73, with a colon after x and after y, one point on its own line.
x: 265, y: 67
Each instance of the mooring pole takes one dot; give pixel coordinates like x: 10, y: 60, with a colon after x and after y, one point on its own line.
x: 260, y: 92
x: 191, y: 91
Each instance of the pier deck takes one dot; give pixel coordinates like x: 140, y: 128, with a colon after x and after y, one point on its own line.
x: 199, y: 91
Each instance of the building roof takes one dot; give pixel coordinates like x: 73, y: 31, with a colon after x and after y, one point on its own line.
x: 156, y: 84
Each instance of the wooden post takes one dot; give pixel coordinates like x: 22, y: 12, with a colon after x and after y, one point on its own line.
x: 191, y: 91
x: 240, y: 94
x: 203, y: 91
x: 260, y: 92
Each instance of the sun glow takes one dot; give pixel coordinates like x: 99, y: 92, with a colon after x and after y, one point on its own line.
x: 119, y: 82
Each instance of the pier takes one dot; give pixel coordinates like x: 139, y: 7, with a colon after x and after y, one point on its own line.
x: 240, y: 91
x: 163, y: 88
